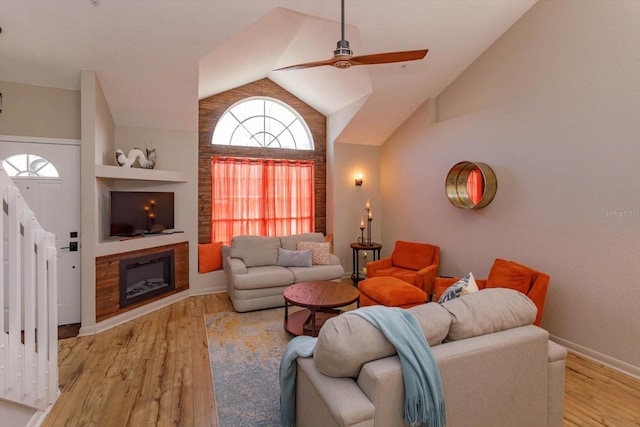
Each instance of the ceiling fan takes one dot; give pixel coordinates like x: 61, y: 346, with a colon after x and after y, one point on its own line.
x: 342, y: 56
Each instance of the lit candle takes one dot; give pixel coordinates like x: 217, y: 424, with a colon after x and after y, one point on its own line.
x: 361, y: 223
x: 367, y: 205
x: 370, y: 215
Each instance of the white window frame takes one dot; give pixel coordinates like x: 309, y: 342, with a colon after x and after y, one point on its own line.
x: 14, y: 169
x: 247, y: 125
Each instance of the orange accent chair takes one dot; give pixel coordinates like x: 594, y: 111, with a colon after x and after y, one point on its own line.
x: 508, y: 274
x: 414, y: 263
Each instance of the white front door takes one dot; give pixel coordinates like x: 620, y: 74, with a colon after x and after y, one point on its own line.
x: 56, y: 204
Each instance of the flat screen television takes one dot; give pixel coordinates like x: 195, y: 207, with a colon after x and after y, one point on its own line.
x: 134, y: 213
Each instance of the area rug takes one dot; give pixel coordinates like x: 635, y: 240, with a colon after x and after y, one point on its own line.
x: 244, y: 352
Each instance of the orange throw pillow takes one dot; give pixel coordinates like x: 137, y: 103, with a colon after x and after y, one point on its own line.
x: 508, y: 274
x: 209, y: 257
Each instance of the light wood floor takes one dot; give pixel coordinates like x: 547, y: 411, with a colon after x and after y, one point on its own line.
x: 154, y: 371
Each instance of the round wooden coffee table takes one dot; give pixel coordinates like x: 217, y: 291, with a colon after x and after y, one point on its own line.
x: 320, y: 300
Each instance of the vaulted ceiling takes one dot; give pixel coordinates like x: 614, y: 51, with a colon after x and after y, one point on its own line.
x: 156, y: 58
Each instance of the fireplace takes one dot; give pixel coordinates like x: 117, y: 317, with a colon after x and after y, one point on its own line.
x: 146, y: 276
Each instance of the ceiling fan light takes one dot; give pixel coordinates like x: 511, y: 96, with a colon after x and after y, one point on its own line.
x: 343, y: 49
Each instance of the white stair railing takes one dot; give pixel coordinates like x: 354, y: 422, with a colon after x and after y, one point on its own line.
x: 28, y: 298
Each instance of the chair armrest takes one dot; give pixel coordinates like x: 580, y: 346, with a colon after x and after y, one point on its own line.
x: 381, y: 381
x: 441, y: 285
x: 428, y: 275
x: 374, y: 266
x: 329, y: 401
x: 236, y: 266
x: 334, y: 259
x: 538, y: 294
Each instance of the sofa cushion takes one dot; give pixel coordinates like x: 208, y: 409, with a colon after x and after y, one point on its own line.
x: 291, y: 242
x: 347, y: 342
x: 320, y: 252
x: 435, y: 323
x: 409, y: 276
x: 488, y: 311
x: 209, y: 257
x: 268, y: 276
x: 508, y: 274
x: 255, y: 251
x: 411, y: 255
x: 462, y: 287
x: 287, y: 258
x: 316, y: 272
x: 391, y: 292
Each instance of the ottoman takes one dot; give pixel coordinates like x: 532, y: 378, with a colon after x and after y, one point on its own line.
x: 391, y: 292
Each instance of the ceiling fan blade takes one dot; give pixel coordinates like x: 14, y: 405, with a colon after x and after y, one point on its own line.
x: 387, y: 58
x: 342, y: 55
x: 312, y: 64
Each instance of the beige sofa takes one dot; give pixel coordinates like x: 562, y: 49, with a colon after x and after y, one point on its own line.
x: 255, y: 280
x: 497, y: 369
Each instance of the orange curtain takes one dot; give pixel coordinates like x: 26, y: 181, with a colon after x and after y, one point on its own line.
x: 474, y: 186
x: 263, y: 197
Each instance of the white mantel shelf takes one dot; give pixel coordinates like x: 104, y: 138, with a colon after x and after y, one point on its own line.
x: 116, y: 246
x: 117, y: 172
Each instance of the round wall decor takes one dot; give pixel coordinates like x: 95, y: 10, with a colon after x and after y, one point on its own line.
x: 471, y: 185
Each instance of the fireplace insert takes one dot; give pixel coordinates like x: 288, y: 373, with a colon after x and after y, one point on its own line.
x: 146, y: 276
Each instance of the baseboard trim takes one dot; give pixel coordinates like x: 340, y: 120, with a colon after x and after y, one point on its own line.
x: 207, y: 291
x: 608, y: 361
x: 132, y: 314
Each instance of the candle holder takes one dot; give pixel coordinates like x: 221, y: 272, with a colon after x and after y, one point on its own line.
x: 366, y: 241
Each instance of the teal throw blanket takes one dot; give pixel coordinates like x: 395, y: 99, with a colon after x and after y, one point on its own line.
x: 301, y: 346
x: 424, y: 397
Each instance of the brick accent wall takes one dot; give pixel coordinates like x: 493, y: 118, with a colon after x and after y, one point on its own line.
x: 210, y: 111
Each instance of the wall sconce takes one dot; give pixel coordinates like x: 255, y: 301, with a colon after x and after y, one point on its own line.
x: 359, y: 180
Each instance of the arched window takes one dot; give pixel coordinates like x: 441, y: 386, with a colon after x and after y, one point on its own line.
x: 29, y: 165
x: 262, y: 122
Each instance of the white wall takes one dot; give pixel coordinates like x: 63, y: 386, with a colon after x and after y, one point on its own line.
x: 177, y: 150
x: 98, y: 135
x: 552, y: 107
x: 29, y: 110
x: 351, y: 159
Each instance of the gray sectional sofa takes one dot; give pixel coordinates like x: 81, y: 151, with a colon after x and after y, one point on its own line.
x: 497, y: 368
x: 255, y: 280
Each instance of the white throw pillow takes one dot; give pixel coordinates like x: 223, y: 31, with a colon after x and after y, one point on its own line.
x: 462, y: 287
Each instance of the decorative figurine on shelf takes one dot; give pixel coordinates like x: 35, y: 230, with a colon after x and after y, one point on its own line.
x: 147, y: 161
